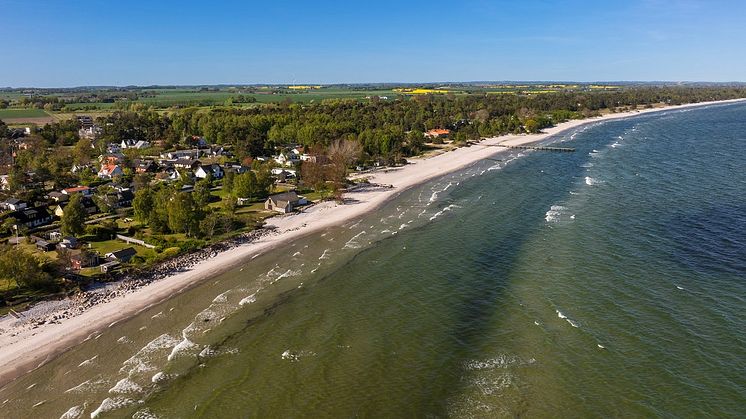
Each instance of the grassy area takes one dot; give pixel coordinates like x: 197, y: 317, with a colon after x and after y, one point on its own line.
x: 22, y: 113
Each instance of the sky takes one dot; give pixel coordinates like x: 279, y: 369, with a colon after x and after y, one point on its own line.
x: 101, y: 42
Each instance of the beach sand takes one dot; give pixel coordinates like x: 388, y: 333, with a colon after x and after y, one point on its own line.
x: 24, y: 349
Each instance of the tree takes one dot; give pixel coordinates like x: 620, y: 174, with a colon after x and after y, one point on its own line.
x: 183, y: 216
x: 21, y: 267
x: 73, y: 218
x: 143, y: 203
x: 246, y: 185
x: 201, y: 194
x: 228, y: 179
x: 105, y: 198
x: 342, y: 153
x: 82, y: 152
x: 315, y: 175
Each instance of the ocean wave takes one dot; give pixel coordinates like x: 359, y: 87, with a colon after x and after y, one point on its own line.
x: 248, y: 300
x: 352, y: 243
x: 591, y: 181
x: 125, y: 386
x: 294, y: 356
x: 112, y: 403
x: 142, y: 360
x: 74, y: 412
x: 444, y: 210
x: 500, y: 361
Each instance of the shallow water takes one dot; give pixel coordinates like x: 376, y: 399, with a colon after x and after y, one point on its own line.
x: 606, y: 282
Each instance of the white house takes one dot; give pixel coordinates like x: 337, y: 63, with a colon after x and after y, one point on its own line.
x: 287, y: 159
x: 109, y: 171
x: 213, y: 169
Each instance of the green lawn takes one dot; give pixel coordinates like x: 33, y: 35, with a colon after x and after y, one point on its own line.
x: 22, y: 113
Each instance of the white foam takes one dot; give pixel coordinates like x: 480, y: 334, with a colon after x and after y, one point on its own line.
x: 221, y: 298
x: 87, y: 361
x: 124, y: 339
x: 31, y: 386
x: 554, y: 213
x: 185, y: 345
x: 73, y: 413
x: 294, y: 356
x: 248, y: 300
x: 679, y: 288
x: 600, y: 346
x: 141, y: 361
x: 88, y: 386
x: 125, y: 386
x: 352, y: 243
x: 112, y: 403
x: 39, y: 404
x: 297, y: 254
x: 498, y: 362
x: 158, y: 377
x: 560, y: 315
x: 591, y: 181
x: 441, y: 212
x: 324, y: 255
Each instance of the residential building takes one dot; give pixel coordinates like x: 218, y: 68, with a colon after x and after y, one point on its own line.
x: 212, y: 169
x: 284, y: 202
x: 123, y: 255
x: 32, y: 217
x: 13, y: 204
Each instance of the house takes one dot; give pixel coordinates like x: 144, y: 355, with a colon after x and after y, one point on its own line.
x: 85, y: 190
x: 213, y: 170
x: 141, y: 145
x: 32, y: 217
x: 185, y: 163
x: 287, y: 159
x: 90, y: 133
x: 109, y: 266
x: 146, y: 166
x: 125, y: 144
x: 76, y: 168
x: 83, y: 259
x: 113, y: 148
x: 314, y: 158
x: 88, y: 204
x: 124, y: 198
x: 283, y: 175
x: 57, y: 196
x: 181, y: 154
x: 44, y: 246
x: 109, y: 171
x: 13, y: 204
x: 69, y: 242
x: 123, y: 255
x: 437, y: 133
x: 236, y: 168
x: 284, y: 202
x: 86, y: 121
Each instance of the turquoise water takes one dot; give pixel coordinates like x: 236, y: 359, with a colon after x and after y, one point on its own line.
x: 606, y: 282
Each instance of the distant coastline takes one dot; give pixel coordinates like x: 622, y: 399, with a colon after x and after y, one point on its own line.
x: 25, y: 348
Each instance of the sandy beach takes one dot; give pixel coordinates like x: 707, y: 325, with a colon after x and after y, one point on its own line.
x: 23, y: 348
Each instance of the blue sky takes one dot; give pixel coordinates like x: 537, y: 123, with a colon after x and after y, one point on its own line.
x: 74, y: 43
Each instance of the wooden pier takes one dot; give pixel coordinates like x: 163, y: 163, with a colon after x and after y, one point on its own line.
x: 533, y: 147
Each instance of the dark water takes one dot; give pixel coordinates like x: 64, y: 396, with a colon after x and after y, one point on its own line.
x: 606, y: 282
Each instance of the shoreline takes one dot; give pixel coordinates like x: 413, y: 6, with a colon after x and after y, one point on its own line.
x: 25, y: 349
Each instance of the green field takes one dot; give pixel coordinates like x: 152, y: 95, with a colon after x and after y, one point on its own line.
x: 22, y: 113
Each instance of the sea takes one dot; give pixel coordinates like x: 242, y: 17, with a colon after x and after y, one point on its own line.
x: 605, y: 282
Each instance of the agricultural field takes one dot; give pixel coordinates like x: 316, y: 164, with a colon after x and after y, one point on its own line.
x: 22, y: 113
